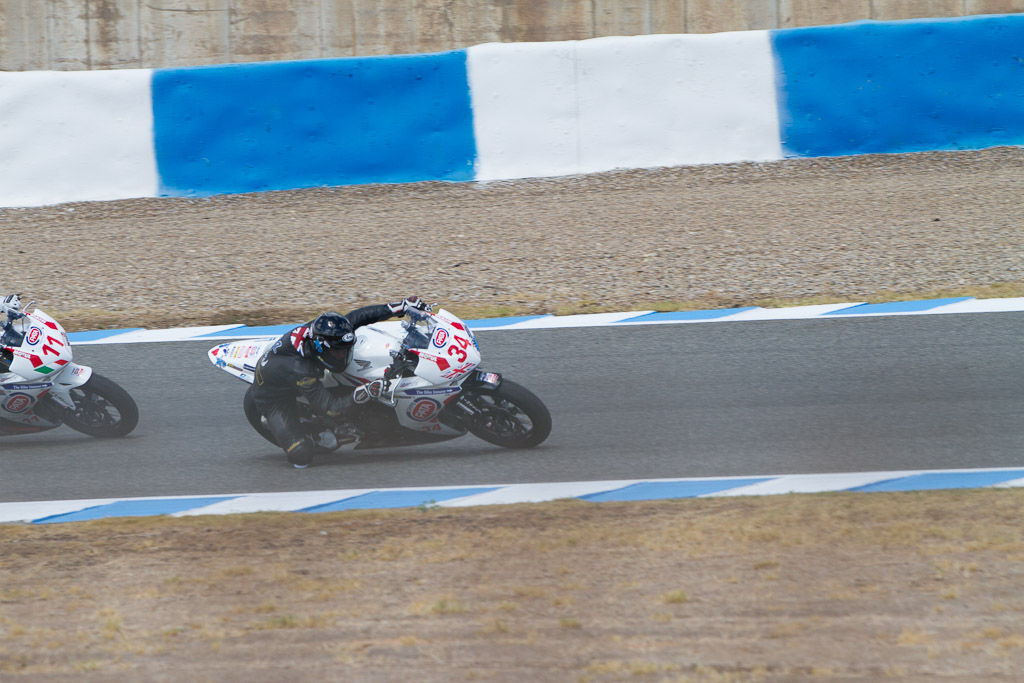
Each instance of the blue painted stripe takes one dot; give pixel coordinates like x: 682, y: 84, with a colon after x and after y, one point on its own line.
x: 281, y: 125
x: 500, y: 322
x: 943, y: 480
x: 94, y: 335
x: 257, y: 331
x: 397, y: 499
x: 134, y: 508
x: 671, y: 489
x: 872, y: 87
x: 898, y: 306
x: 686, y: 315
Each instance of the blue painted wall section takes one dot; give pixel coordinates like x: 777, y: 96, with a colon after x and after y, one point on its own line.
x: 908, y: 86
x: 280, y: 125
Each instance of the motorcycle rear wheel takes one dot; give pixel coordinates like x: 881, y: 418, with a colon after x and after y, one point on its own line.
x: 511, y: 416
x: 255, y: 418
x: 102, y: 409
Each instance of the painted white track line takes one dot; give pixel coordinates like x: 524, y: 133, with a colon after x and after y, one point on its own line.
x: 819, y: 312
x: 46, y: 512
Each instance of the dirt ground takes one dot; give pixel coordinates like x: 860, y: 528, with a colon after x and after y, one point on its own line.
x: 853, y: 587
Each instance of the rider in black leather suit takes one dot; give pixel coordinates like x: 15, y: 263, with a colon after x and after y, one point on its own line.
x: 295, y: 364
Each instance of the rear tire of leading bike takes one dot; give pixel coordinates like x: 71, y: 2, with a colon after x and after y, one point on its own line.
x: 102, y: 409
x: 255, y: 418
x: 511, y: 416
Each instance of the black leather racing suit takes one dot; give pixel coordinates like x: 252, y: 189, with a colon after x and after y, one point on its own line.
x: 288, y: 370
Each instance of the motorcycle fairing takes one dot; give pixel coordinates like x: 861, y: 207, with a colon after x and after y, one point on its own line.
x: 239, y: 358
x: 39, y: 346
x: 40, y: 366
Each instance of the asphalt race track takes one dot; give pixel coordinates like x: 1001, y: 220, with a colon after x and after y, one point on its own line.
x: 653, y: 401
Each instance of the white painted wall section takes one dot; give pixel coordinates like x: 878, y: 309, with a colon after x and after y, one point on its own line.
x: 524, y: 109
x: 547, y: 109
x: 70, y: 136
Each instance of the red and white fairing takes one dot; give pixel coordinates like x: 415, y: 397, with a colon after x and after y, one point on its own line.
x: 40, y: 365
x: 451, y: 354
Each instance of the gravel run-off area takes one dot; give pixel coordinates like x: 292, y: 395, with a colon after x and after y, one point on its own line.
x: 849, y: 228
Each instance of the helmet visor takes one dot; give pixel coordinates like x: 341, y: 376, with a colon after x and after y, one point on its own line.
x: 337, y: 358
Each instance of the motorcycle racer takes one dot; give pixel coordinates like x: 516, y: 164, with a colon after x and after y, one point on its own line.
x: 10, y: 310
x: 295, y: 364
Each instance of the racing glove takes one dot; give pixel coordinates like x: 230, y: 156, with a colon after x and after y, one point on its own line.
x: 401, y: 307
x: 364, y: 393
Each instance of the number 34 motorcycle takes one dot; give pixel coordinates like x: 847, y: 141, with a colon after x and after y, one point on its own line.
x: 434, y: 390
x: 41, y: 388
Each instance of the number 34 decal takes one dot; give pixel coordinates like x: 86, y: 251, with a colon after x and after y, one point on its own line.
x: 458, y: 348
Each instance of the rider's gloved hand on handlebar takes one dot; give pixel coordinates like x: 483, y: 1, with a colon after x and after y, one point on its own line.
x: 12, y: 302
x: 401, y: 307
x: 11, y: 305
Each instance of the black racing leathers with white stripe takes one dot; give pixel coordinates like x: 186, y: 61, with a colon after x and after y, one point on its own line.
x: 289, y: 371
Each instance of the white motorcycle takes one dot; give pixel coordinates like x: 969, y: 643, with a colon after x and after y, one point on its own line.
x: 41, y: 388
x: 433, y: 389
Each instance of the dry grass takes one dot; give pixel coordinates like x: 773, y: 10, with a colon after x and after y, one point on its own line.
x: 663, y: 590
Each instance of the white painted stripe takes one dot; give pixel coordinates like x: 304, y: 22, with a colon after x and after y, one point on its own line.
x: 68, y: 136
x: 539, y: 493
x: 791, y: 312
x: 569, y: 107
x: 502, y: 493
x: 982, y: 306
x: 168, y: 335
x: 20, y: 512
x: 582, y: 320
x: 273, y: 502
x: 810, y: 483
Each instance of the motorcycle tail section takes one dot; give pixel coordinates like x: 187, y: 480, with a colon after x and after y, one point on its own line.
x: 239, y: 358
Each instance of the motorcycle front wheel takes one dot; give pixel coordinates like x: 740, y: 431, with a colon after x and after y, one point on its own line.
x: 102, y: 409
x: 510, y: 416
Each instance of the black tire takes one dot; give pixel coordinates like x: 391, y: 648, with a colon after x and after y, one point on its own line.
x: 102, y: 409
x: 511, y: 416
x: 255, y: 418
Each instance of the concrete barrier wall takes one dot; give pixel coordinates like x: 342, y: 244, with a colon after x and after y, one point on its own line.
x: 114, y: 34
x: 502, y: 111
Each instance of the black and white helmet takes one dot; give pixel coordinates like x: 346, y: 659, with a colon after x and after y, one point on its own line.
x: 331, y: 339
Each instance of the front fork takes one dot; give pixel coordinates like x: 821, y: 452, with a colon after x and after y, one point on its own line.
x: 70, y: 377
x: 481, y: 379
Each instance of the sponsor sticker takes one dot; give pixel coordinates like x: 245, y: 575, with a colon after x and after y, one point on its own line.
x: 17, y: 403
x: 33, y: 336
x: 423, y: 409
x: 432, y: 392
x: 78, y: 371
x: 440, y: 337
x: 455, y: 372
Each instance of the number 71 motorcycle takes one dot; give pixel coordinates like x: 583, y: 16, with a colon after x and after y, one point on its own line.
x: 41, y: 388
x: 433, y: 388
